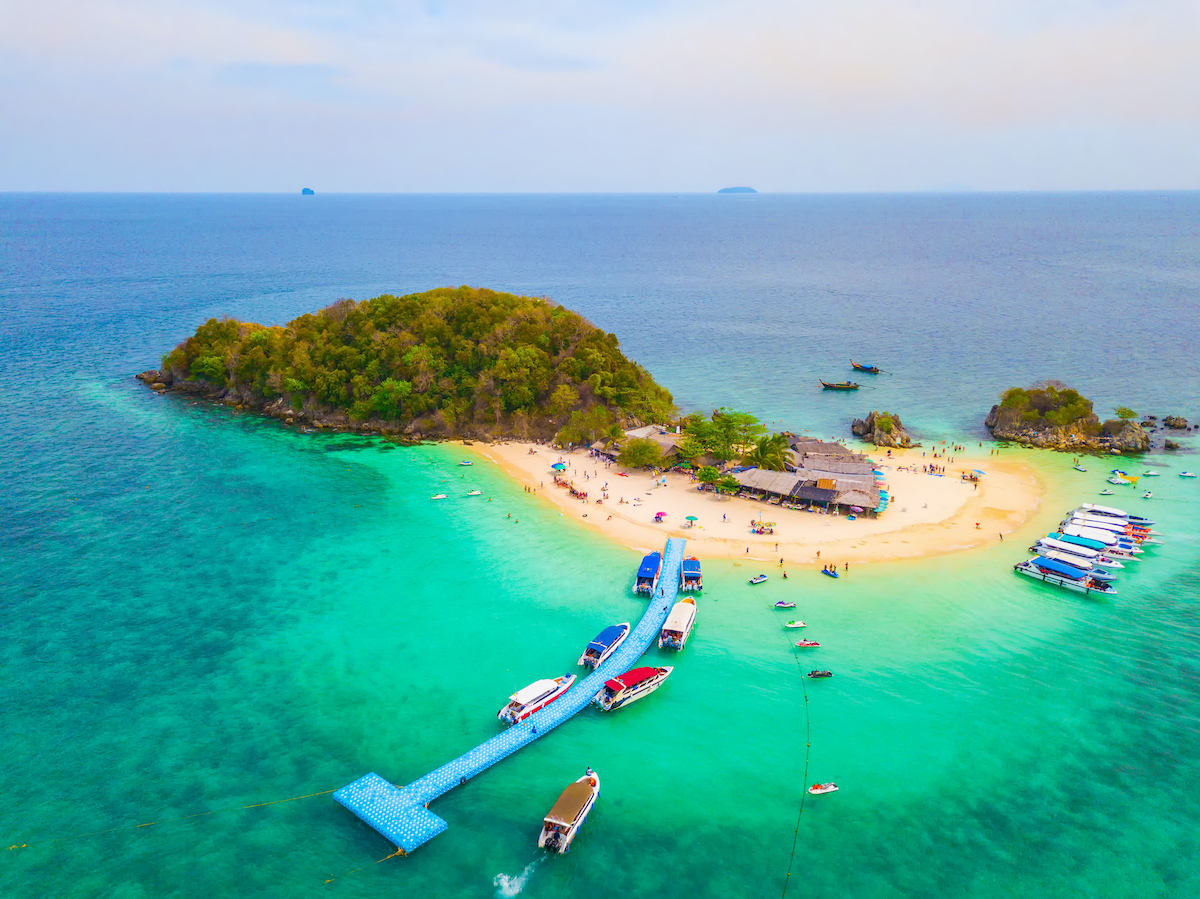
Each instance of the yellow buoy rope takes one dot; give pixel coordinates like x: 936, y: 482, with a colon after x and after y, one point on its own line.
x: 398, y: 851
x: 807, y: 749
x: 96, y: 833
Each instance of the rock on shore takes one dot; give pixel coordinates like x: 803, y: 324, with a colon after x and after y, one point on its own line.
x: 882, y: 429
x: 1130, y: 438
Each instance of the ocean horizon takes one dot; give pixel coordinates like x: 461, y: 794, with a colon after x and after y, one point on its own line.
x: 206, y: 610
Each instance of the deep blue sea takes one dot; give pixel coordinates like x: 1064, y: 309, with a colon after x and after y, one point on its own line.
x: 203, y: 610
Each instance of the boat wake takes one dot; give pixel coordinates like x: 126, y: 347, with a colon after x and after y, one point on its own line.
x: 510, y: 886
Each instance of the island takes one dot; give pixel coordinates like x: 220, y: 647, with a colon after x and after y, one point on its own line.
x: 737, y: 190
x: 307, y: 192
x: 449, y: 362
x: 882, y: 429
x: 1054, y: 416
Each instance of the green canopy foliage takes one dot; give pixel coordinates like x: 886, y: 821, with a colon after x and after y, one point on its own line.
x: 724, y: 435
x: 469, y: 355
x: 768, y: 452
x: 708, y: 475
x: 1125, y: 413
x: 1047, y: 404
x: 640, y: 453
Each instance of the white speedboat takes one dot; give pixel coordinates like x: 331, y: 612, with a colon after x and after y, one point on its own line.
x: 678, y: 628
x: 1106, y: 492
x: 1147, y: 495
x: 758, y: 579
x: 631, y: 686
x: 1084, y: 565
x: 1187, y: 474
x: 474, y: 493
x: 1140, y: 520
x: 1150, y: 474
x: 438, y: 496
x: 818, y: 789
x: 465, y: 462
x: 1119, y: 481
x: 647, y: 576
x: 795, y: 624
x: 1080, y: 468
x: 604, y: 645
x: 1089, y: 555
x: 536, y: 696
x: 561, y: 825
x: 1061, y: 575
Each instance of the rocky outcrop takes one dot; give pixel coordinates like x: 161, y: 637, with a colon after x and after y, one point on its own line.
x: 1170, y: 444
x: 1175, y: 421
x: 882, y: 429
x: 310, y: 416
x: 1079, y: 436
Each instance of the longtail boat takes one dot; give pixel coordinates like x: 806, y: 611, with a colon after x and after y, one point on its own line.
x: 844, y: 385
x: 869, y: 369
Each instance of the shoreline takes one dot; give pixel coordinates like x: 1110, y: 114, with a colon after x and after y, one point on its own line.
x: 929, y: 514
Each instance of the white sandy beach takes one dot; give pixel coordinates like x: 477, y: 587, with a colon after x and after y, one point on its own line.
x: 928, y: 514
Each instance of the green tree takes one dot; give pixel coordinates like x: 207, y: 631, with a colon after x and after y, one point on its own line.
x: 728, y: 484
x: 1125, y: 413
x: 209, y: 368
x: 767, y: 452
x: 708, y: 475
x: 640, y: 453
x: 563, y: 399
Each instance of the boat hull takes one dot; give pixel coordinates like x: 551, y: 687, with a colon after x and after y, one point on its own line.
x: 560, y: 842
x: 1058, y: 580
x: 630, y: 695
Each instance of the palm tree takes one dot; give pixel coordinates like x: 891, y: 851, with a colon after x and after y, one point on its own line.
x: 769, y: 453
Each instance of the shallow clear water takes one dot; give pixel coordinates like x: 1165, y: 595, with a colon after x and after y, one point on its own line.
x: 203, y: 610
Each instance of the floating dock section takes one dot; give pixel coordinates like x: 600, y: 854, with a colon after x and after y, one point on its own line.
x: 400, y: 813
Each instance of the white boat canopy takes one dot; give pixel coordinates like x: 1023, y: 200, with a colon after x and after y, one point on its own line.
x: 536, y: 690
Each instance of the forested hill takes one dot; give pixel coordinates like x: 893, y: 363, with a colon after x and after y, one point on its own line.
x: 449, y: 361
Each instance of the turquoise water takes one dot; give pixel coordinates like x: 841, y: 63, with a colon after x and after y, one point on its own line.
x: 204, y: 611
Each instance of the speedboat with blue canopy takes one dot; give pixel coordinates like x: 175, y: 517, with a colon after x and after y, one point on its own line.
x: 1060, y: 574
x: 690, y: 578
x: 1089, y: 568
x: 647, y: 576
x: 604, y: 645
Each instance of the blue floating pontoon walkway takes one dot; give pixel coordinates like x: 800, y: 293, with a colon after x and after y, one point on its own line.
x: 400, y: 813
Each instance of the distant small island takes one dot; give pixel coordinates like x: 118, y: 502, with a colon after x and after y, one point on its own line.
x: 307, y: 192
x: 449, y: 362
x: 1054, y: 416
x: 737, y: 190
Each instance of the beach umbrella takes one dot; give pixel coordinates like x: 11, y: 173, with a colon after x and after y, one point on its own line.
x: 662, y: 514
x: 692, y: 518
x: 977, y: 471
x: 768, y: 524
x: 558, y: 466
x: 855, y: 509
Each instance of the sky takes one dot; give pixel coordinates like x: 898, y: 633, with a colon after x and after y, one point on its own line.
x: 532, y: 96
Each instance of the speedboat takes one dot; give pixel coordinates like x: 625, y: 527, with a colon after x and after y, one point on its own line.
x: 1120, y: 481
x: 1147, y: 495
x: 604, y: 645
x: 536, y: 696
x: 647, y: 576
x: 679, y: 625
x: 1062, y: 575
x: 1115, y: 513
x: 806, y: 644
x: 818, y: 789
x: 758, y: 579
x: 816, y: 674
x: 1150, y: 474
x: 474, y: 493
x: 832, y: 572
x: 465, y: 462
x: 1085, y: 565
x: 1082, y: 552
x: 795, y: 624
x: 1080, y: 468
x: 690, y: 578
x: 785, y: 604
x: 631, y: 686
x: 1187, y: 474
x: 438, y: 496
x: 1106, y: 492
x: 561, y: 825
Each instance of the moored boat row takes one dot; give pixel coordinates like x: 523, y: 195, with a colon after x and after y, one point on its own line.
x: 1092, y: 544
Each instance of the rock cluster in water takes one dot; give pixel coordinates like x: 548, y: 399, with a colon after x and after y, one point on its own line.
x: 882, y: 429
